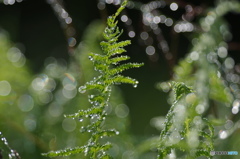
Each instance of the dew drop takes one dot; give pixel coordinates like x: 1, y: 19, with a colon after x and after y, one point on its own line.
x: 144, y: 35
x: 25, y: 103
x: 223, y: 134
x: 124, y: 18
x: 173, y: 6
x: 235, y: 110
x: 122, y: 111
x: 101, y: 6
x: 82, y: 89
x: 229, y: 124
x: 131, y: 34
x: 72, y: 41
x: 200, y: 108
x: 191, y: 98
x: 89, y: 131
x: 69, y: 125
x: 150, y: 50
x: 194, y: 56
x: 5, y: 88
x: 222, y: 52
x: 90, y: 58
x: 229, y: 63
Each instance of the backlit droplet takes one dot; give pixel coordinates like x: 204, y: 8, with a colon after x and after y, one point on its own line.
x: 9, y: 2
x: 194, y: 56
x: 192, y: 139
x: 173, y: 6
x: 101, y: 6
x: 191, y: 98
x: 124, y: 18
x: 222, y: 52
x: 5, y: 88
x: 144, y: 35
x: 168, y: 22
x: 13, y: 54
x: 131, y: 34
x: 150, y: 50
x: 25, y: 103
x: 229, y: 63
x: 229, y: 124
x: 235, y: 109
x: 82, y: 89
x: 122, y: 111
x: 136, y: 84
x: 174, y: 138
x: 30, y: 124
x: 156, y: 19
x: 55, y: 109
x: 200, y: 108
x: 72, y: 41
x: 109, y: 1
x: 223, y: 134
x: 69, y: 125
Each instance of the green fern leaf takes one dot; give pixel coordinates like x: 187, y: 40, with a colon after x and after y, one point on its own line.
x: 123, y: 67
x: 101, y: 86
x: 116, y: 60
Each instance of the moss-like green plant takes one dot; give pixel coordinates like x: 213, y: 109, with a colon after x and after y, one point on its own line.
x: 100, y: 90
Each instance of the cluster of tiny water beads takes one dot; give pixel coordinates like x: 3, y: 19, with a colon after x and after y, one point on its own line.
x: 12, y: 154
x: 94, y: 117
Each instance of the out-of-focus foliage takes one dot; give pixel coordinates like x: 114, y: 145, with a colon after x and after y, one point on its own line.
x: 15, y: 100
x: 205, y: 69
x: 185, y: 129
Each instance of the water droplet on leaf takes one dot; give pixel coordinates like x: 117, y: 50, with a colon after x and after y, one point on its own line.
x: 82, y: 89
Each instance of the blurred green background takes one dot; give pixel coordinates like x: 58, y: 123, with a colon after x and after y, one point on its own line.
x: 42, y: 50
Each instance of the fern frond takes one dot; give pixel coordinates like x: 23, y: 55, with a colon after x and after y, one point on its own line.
x: 100, y: 90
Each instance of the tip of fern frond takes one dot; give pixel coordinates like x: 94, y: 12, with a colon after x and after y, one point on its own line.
x: 123, y: 5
